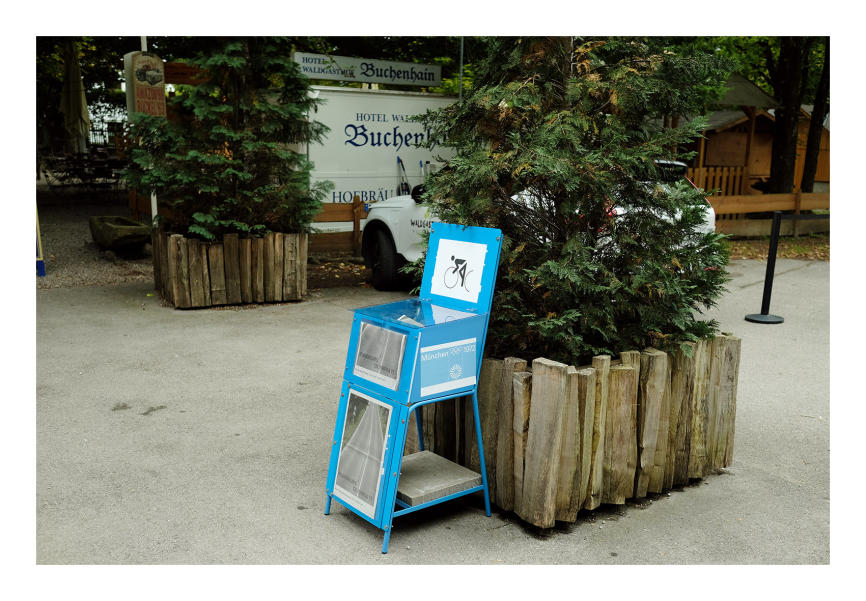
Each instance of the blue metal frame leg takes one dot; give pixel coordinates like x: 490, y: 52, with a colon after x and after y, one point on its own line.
x: 328, y: 505
x: 481, y: 452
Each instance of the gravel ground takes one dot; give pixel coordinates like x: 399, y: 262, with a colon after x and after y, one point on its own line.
x: 71, y: 256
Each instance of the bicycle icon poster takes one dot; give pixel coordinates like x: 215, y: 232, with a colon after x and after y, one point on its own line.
x: 458, y: 270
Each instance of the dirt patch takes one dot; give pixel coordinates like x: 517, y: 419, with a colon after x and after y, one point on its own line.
x: 808, y: 247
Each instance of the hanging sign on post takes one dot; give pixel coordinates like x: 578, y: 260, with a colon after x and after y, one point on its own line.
x: 145, y: 83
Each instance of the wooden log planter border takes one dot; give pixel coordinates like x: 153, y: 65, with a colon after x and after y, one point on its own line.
x: 558, y: 438
x: 191, y: 273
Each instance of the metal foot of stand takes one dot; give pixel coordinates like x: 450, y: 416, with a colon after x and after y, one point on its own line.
x: 761, y: 318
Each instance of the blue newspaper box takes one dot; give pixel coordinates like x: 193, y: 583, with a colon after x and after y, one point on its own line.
x: 402, y: 356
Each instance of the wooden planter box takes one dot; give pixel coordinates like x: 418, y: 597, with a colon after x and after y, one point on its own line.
x: 559, y: 438
x: 191, y: 273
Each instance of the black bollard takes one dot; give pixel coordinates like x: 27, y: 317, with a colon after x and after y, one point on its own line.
x: 764, y: 316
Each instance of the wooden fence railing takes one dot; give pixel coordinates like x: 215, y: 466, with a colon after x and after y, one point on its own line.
x: 731, y: 211
x: 560, y: 439
x: 729, y: 180
x: 325, y: 242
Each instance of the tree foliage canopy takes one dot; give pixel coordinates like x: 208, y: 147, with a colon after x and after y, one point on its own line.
x: 555, y: 134
x: 227, y: 165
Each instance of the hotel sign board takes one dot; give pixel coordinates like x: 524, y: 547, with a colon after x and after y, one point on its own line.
x: 344, y: 68
x: 145, y: 83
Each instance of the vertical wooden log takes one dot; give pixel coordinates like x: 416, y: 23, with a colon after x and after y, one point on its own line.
x: 196, y: 275
x: 728, y: 396
x: 246, y: 264
x: 279, y: 266
x: 258, y: 270
x: 154, y: 247
x: 488, y: 402
x: 674, y: 408
x: 568, y: 482
x: 303, y: 247
x: 166, y: 286
x: 682, y: 390
x: 632, y: 358
x: 205, y: 280
x: 183, y: 270
x: 700, y: 401
x: 657, y: 476
x: 232, y: 261
x: 173, y: 243
x: 586, y: 405
x: 216, y: 264
x: 601, y: 364
x: 269, y: 267
x: 521, y: 387
x: 290, y: 260
x: 543, y: 442
x: 504, y: 414
x: 618, y: 481
x: 717, y: 350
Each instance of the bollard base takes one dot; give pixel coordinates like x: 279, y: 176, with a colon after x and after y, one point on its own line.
x: 760, y: 318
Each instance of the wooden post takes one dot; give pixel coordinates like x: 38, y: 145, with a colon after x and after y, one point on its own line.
x: 568, y: 482
x: 700, y: 182
x: 700, y: 401
x: 651, y: 391
x: 246, y: 263
x: 633, y: 358
x: 674, y: 407
x: 543, y: 441
x: 717, y: 349
x: 798, y: 200
x: 181, y: 272
x: 728, y: 396
x: 357, y: 211
x: 269, y: 267
x: 751, y: 111
x: 618, y: 481
x: 682, y: 391
x: 231, y: 256
x: 601, y: 363
x: 173, y: 248
x: 166, y: 286
x: 279, y: 266
x: 504, y: 414
x: 303, y: 247
x: 657, y: 477
x: 586, y: 387
x: 196, y: 275
x: 258, y: 269
x: 205, y: 280
x: 521, y: 383
x: 290, y: 267
x: 216, y: 264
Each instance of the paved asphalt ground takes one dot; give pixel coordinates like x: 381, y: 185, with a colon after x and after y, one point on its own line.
x: 203, y: 437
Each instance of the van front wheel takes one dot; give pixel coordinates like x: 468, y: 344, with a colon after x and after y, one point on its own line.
x: 384, y: 262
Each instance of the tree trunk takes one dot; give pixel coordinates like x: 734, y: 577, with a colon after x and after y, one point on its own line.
x: 787, y: 75
x: 816, y: 126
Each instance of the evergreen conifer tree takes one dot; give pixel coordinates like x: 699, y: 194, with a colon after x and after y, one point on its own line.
x: 226, y: 164
x: 555, y: 134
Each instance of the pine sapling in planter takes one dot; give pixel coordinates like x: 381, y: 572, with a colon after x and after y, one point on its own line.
x: 556, y: 134
x: 227, y: 164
